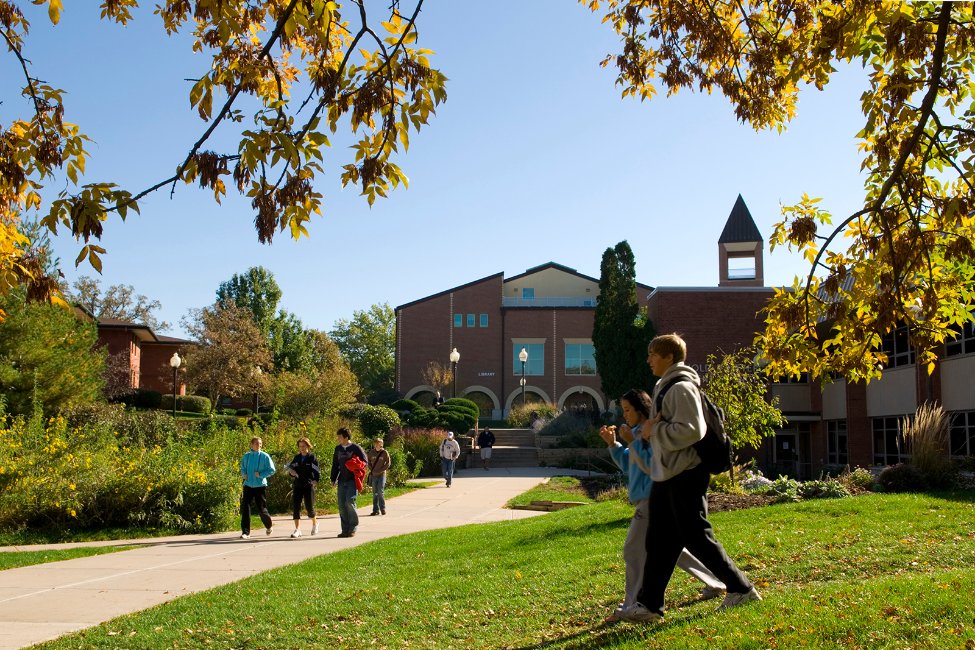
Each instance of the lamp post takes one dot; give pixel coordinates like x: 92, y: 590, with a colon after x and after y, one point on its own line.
x: 454, y: 358
x: 257, y: 397
x: 174, y: 362
x: 523, y: 357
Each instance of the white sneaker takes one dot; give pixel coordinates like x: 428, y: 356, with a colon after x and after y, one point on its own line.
x: 268, y: 531
x: 639, y: 614
x: 296, y: 534
x: 245, y: 536
x: 314, y: 529
x: 733, y: 600
x: 707, y: 592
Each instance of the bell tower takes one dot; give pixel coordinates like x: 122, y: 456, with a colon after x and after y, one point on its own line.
x: 740, y: 250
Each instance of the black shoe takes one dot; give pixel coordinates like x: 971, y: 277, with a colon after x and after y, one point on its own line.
x: 343, y: 535
x: 383, y: 512
x: 373, y: 514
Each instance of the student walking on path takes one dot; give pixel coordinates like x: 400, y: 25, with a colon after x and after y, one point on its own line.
x: 678, y: 500
x: 379, y: 462
x: 304, y: 469
x: 255, y: 467
x: 346, y: 477
x: 485, y: 440
x: 449, y: 453
x: 634, y: 460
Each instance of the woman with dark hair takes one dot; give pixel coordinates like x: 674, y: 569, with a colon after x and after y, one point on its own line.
x: 304, y: 469
x: 634, y: 461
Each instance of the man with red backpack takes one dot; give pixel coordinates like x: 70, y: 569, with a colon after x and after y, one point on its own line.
x: 348, y: 470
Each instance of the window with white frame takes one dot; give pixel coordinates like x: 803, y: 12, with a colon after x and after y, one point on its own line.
x: 963, y: 343
x: 580, y: 359
x: 897, y: 346
x: 889, y: 447
x: 836, y: 442
x: 962, y: 434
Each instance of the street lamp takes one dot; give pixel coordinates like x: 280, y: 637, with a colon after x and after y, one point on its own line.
x: 257, y: 398
x: 454, y: 358
x: 174, y: 362
x: 523, y: 357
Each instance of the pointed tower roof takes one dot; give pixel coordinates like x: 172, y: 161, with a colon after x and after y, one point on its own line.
x: 740, y: 226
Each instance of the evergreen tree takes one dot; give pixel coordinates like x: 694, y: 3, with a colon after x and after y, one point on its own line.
x: 621, y: 329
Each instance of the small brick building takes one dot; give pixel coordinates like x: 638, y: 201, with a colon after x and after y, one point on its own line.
x: 139, y: 358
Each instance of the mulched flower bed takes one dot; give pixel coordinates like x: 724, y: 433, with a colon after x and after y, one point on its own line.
x: 718, y: 502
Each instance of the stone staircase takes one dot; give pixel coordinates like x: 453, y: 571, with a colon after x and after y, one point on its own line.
x: 512, y: 448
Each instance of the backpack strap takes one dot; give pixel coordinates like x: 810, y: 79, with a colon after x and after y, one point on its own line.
x: 659, y: 401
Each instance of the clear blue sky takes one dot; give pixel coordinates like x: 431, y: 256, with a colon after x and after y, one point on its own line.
x: 533, y: 158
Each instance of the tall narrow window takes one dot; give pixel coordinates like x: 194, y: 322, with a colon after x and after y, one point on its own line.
x: 470, y: 320
x: 836, y: 442
x: 458, y: 320
x: 484, y: 320
x: 963, y: 434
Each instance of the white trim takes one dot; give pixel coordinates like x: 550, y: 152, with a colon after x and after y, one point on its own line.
x: 582, y: 389
x: 516, y: 394
x: 487, y: 391
x: 423, y: 388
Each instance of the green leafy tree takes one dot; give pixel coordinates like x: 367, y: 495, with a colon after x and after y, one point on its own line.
x: 734, y: 384
x: 257, y: 291
x: 119, y: 301
x: 322, y: 388
x: 289, y: 343
x: 230, y: 352
x: 368, y: 343
x: 906, y: 255
x: 47, y: 357
x: 276, y: 79
x: 621, y: 330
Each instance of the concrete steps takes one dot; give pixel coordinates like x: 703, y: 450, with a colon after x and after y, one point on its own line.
x: 512, y: 448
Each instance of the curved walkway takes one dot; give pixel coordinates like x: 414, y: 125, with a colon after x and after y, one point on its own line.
x: 45, y: 601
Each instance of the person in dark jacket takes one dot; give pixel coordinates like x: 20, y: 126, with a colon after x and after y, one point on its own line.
x: 344, y: 480
x: 485, y: 440
x: 379, y: 462
x: 304, y: 469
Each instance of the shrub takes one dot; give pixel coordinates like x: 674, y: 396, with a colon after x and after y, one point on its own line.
x: 902, y: 477
x: 244, y: 413
x: 400, y: 469
x: 422, y: 447
x: 456, y: 418
x: 422, y: 418
x: 784, y: 489
x: 147, y: 399
x: 520, y: 416
x: 829, y: 488
x: 404, y: 405
x: 858, y: 479
x: 465, y: 404
x: 568, y: 423
x: 186, y: 403
x: 228, y: 411
x: 352, y: 412
x: 927, y: 438
x: 378, y: 421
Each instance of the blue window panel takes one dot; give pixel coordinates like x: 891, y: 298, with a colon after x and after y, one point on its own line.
x: 484, y: 320
x: 580, y: 359
x: 458, y: 320
x: 470, y: 320
x: 528, y: 293
x: 536, y: 359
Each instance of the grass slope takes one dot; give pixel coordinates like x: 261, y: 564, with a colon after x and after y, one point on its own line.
x: 876, y: 571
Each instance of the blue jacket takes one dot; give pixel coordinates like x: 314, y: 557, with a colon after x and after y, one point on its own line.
x: 256, y: 461
x: 638, y: 483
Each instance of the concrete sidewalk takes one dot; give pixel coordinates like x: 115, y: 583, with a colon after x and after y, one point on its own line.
x: 45, y: 601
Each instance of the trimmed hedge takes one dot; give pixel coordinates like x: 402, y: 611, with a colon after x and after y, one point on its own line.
x: 378, y: 421
x: 188, y: 403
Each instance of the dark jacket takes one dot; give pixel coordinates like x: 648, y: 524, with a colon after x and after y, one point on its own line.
x: 307, y: 469
x: 485, y: 438
x: 341, y: 457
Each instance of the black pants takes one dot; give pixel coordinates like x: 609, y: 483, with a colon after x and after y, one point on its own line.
x: 259, y: 496
x: 303, y: 491
x: 678, y: 520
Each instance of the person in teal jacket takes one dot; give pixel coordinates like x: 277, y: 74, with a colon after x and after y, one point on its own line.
x: 634, y: 461
x: 255, y: 467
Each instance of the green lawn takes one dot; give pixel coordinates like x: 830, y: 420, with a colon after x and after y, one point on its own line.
x: 875, y: 571
x: 14, y: 559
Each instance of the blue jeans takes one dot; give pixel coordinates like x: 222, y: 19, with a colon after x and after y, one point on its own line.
x: 378, y: 498
x: 447, y: 464
x: 346, y: 498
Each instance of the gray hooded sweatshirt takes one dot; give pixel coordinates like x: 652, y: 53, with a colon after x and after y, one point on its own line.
x: 682, y: 424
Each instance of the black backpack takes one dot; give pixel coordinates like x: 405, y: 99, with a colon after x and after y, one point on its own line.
x: 715, y: 447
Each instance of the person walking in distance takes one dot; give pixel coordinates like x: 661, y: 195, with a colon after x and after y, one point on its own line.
x: 449, y: 453
x: 634, y: 460
x: 678, y: 500
x: 485, y: 440
x: 379, y: 462
x: 255, y: 467
x: 304, y: 469
x: 344, y: 479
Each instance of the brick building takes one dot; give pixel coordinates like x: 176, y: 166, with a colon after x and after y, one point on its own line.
x: 139, y: 356
x: 548, y: 311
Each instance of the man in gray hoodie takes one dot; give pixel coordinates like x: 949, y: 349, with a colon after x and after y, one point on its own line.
x: 678, y: 502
